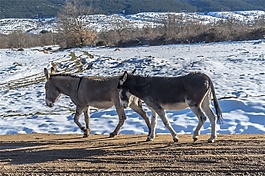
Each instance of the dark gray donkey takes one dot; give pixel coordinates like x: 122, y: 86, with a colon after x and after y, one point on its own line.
x: 173, y: 93
x: 98, y: 92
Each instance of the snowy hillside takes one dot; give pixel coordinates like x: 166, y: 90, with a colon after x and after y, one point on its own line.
x: 106, y: 22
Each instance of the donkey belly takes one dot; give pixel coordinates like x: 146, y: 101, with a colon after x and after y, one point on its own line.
x: 101, y: 104
x: 175, y: 106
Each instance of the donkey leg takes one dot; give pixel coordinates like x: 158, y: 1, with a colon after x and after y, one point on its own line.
x: 79, y: 111
x: 138, y: 108
x: 87, y: 120
x: 151, y: 136
x: 209, y: 112
x: 200, y: 115
x: 166, y: 122
x: 122, y: 119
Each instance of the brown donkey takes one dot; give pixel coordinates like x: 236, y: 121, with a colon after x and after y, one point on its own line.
x: 173, y: 93
x: 98, y: 92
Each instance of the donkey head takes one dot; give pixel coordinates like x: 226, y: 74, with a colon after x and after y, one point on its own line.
x: 124, y: 92
x: 51, y: 92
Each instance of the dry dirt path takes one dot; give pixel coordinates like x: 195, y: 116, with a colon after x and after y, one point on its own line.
x: 49, y: 154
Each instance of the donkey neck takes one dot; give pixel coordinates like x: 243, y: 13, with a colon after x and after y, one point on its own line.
x: 138, y: 85
x: 67, y: 84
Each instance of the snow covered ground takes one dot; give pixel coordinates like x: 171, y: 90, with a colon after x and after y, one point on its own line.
x: 236, y: 68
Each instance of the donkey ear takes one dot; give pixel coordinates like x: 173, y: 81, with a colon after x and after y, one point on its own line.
x: 124, y: 77
x: 53, y: 70
x: 134, y: 71
x: 47, y: 75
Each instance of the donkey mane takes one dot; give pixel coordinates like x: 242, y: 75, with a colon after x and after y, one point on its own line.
x: 65, y: 75
x: 95, y: 78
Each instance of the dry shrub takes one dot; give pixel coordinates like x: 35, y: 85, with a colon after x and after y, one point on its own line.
x: 255, y: 33
x: 20, y: 39
x: 212, y: 34
x: 4, y: 41
x: 72, y: 38
x: 111, y: 37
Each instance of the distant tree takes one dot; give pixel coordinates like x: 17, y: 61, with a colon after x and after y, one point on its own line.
x: 70, y: 24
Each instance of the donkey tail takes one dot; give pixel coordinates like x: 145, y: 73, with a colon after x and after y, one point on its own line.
x: 216, y: 104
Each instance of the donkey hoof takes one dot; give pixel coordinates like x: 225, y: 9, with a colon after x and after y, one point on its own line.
x: 175, y: 139
x: 148, y: 139
x: 210, y: 140
x: 111, y: 135
x: 86, y: 132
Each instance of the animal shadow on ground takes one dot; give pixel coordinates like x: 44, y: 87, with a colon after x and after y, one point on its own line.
x: 27, y: 153
x: 75, y: 148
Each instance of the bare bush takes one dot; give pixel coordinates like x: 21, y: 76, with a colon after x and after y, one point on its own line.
x: 20, y: 39
x: 73, y: 33
x: 123, y: 32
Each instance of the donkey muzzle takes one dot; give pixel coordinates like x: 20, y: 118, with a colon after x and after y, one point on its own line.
x: 49, y: 103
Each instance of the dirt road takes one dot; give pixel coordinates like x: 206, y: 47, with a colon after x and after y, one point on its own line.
x: 49, y: 154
